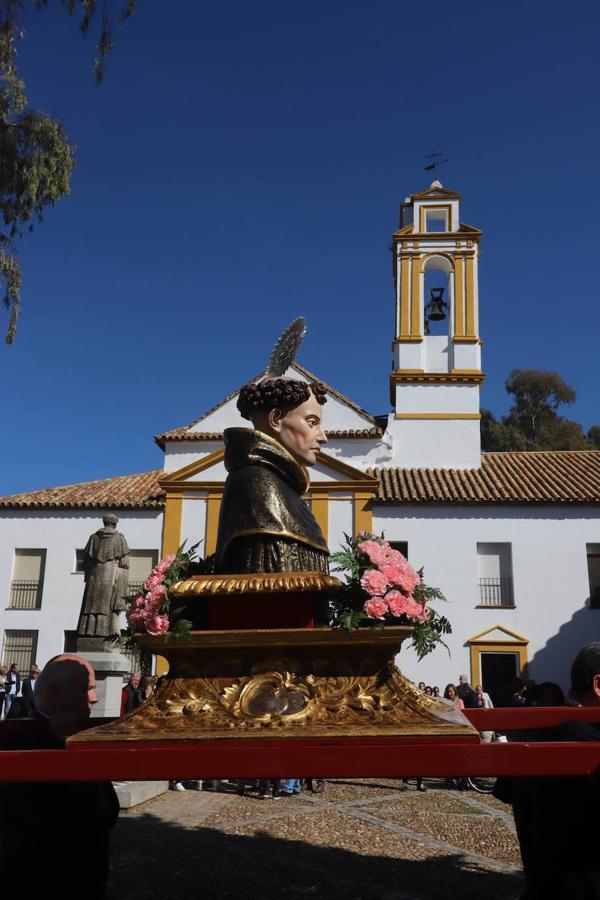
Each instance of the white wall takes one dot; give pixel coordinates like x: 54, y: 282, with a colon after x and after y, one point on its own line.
x: 551, y: 586
x: 61, y: 533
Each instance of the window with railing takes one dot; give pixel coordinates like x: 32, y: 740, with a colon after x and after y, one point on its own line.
x: 19, y: 647
x: 494, y: 575
x: 28, y: 579
x: 495, y: 592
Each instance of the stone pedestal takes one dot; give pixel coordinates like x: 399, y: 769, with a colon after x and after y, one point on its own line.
x: 110, y: 666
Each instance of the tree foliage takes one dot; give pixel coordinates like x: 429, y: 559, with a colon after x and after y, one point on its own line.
x: 533, y: 421
x: 36, y: 156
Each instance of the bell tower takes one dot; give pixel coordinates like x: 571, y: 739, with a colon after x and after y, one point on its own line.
x: 436, y: 375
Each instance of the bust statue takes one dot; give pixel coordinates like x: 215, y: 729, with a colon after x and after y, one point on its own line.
x: 106, y: 574
x: 265, y: 525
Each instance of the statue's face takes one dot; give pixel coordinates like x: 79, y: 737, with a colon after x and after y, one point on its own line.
x: 300, y: 431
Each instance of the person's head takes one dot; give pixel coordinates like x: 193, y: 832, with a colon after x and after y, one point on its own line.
x: 34, y: 671
x: 585, y: 675
x: 479, y: 688
x: 110, y: 520
x: 14, y: 667
x: 436, y: 690
x: 449, y: 692
x: 66, y: 688
x: 147, y: 685
x: 462, y: 679
x: 429, y: 691
x: 3, y: 670
x: 134, y: 680
x: 421, y: 685
x: 549, y: 694
x: 288, y: 411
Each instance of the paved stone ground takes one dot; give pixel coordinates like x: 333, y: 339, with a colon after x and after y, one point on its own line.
x: 360, y: 840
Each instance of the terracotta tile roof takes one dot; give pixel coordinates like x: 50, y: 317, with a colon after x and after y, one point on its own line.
x: 123, y: 492
x: 541, y: 477
x: 184, y: 434
x: 552, y: 477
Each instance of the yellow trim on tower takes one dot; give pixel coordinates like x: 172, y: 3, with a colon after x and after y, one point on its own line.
x: 470, y: 298
x: 456, y: 376
x: 320, y: 510
x: 415, y: 299
x: 437, y: 415
x: 172, y: 523
x: 404, y: 295
x: 213, y: 508
x: 459, y: 298
x: 363, y: 516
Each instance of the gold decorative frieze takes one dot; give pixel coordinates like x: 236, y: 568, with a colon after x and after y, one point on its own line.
x: 261, y: 583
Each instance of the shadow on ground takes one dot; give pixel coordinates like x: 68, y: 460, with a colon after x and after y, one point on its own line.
x: 153, y: 858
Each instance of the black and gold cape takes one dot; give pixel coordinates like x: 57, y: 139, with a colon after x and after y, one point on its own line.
x: 264, y: 524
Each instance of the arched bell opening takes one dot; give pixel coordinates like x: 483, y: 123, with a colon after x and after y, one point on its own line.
x: 438, y: 288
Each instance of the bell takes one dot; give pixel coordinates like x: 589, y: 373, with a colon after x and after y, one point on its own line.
x: 436, y: 305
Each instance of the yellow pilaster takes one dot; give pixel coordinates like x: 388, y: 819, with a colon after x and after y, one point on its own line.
x: 404, y: 297
x: 415, y: 327
x: 172, y: 523
x: 470, y: 292
x: 459, y: 297
x: 363, y: 516
x: 320, y: 510
x: 213, y: 507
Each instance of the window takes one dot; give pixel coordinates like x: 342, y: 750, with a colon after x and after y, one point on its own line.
x: 436, y: 220
x: 402, y: 546
x: 593, y: 563
x: 140, y: 564
x: 20, y: 647
x: 28, y: 579
x: 494, y: 575
x: 79, y: 554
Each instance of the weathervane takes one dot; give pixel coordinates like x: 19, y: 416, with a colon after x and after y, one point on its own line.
x: 435, y: 163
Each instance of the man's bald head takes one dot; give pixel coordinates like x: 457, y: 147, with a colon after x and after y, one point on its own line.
x: 66, y: 687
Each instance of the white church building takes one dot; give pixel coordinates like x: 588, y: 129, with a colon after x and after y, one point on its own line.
x: 512, y: 539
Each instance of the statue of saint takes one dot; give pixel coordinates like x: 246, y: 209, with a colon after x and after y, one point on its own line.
x: 106, y: 573
x: 265, y: 525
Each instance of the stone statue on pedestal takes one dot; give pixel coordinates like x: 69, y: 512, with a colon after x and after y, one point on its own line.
x: 264, y: 524
x: 106, y: 573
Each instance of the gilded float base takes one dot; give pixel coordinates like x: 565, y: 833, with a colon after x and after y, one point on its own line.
x: 284, y: 683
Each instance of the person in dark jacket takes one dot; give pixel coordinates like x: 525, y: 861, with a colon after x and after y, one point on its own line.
x: 67, y: 852
x: 557, y: 818
x: 12, y: 687
x: 28, y: 690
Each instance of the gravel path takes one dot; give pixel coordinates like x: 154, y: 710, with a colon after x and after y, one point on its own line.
x: 360, y: 840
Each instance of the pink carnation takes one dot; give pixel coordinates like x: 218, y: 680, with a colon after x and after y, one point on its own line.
x: 396, y: 602
x: 374, y: 582
x: 374, y: 551
x: 165, y: 564
x: 135, y: 613
x: 152, y: 581
x: 414, y: 610
x: 157, y: 625
x: 394, y: 557
x: 409, y: 580
x: 375, y: 608
x: 393, y: 573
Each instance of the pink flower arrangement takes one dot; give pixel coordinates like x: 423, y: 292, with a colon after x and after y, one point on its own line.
x: 382, y: 587
x: 390, y: 581
x: 146, y: 612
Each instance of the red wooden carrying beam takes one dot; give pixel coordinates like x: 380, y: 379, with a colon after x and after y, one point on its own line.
x: 326, y: 757
x: 341, y: 757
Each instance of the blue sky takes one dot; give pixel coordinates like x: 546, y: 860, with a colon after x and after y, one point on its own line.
x: 244, y: 163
